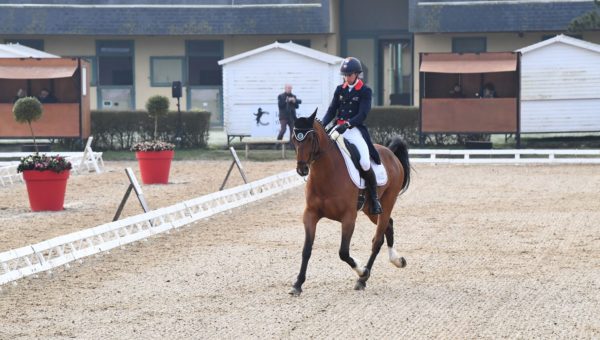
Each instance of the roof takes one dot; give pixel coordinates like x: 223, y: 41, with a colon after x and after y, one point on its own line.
x: 290, y: 47
x: 21, y: 51
x: 564, y: 39
x: 468, y: 62
x: 164, y: 17
x: 480, y: 16
x: 34, y: 68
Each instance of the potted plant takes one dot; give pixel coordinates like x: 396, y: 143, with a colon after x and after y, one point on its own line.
x: 45, y: 176
x: 154, y: 157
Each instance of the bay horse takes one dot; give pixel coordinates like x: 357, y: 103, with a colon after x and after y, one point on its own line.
x: 330, y: 193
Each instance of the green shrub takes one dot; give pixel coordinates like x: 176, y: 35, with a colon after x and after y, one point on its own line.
x: 120, y: 130
x: 385, y: 122
x: 27, y: 110
x: 157, y: 106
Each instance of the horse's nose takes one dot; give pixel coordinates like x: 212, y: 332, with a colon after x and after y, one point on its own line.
x: 302, y: 169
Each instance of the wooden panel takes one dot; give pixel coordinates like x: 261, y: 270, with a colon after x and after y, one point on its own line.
x: 575, y: 115
x: 58, y: 120
x: 482, y: 115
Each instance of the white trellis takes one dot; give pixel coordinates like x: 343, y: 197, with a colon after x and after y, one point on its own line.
x: 60, y: 251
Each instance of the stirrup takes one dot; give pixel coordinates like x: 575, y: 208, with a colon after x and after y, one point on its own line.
x: 361, y: 201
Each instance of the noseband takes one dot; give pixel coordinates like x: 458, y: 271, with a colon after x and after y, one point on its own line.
x: 300, y: 135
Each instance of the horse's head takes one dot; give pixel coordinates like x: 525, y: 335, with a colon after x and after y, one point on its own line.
x: 306, y: 141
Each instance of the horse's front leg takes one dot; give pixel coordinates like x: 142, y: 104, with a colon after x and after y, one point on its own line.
x: 310, y: 226
x: 347, y: 231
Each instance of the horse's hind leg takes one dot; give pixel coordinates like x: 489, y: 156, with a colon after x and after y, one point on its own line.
x: 387, y: 202
x: 398, y: 261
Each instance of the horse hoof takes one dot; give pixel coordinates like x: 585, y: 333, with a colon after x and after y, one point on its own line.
x: 399, y: 262
x: 295, y: 291
x: 360, y: 285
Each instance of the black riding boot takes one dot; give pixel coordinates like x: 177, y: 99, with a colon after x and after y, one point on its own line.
x: 371, y: 184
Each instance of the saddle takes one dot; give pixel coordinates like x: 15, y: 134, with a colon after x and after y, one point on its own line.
x: 351, y: 157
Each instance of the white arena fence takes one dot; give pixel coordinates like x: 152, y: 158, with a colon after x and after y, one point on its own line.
x: 60, y: 251
x: 81, y: 162
x: 505, y: 156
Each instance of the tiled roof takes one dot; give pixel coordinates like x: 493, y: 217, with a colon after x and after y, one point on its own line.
x: 431, y: 16
x: 175, y: 17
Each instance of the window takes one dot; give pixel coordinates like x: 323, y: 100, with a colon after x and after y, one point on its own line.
x: 165, y: 70
x: 38, y: 44
x: 202, y: 59
x: 92, y: 71
x: 469, y: 45
x: 115, y: 62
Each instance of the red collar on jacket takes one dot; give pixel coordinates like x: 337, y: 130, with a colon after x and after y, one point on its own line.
x: 359, y: 84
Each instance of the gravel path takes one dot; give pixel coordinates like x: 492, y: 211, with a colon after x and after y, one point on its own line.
x: 492, y: 251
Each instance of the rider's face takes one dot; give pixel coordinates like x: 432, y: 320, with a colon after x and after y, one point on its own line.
x: 350, y: 78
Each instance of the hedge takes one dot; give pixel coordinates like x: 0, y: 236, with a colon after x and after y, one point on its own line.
x: 119, y: 130
x: 385, y: 122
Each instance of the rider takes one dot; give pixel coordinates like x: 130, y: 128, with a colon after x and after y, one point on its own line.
x: 350, y: 105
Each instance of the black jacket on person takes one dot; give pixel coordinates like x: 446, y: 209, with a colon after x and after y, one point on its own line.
x: 353, y: 106
x: 287, y: 110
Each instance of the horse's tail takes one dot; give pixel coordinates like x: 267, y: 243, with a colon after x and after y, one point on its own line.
x: 400, y: 149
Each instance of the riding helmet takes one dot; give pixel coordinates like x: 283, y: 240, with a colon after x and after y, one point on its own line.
x: 351, y: 65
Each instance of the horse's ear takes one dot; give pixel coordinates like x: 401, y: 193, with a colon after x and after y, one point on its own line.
x: 312, y: 117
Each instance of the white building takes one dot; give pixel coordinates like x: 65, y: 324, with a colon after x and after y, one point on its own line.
x: 560, y: 86
x: 254, y: 79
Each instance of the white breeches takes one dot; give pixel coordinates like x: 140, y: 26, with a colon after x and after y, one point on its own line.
x: 355, y: 137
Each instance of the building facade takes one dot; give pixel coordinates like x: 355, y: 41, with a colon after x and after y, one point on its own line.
x: 137, y: 50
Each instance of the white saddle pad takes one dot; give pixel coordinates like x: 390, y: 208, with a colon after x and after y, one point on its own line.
x: 379, y: 169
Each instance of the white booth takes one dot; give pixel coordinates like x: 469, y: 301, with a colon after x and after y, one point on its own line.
x: 252, y: 81
x: 560, y: 86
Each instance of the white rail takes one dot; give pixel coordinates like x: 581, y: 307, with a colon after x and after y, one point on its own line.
x: 507, y: 156
x: 60, y: 251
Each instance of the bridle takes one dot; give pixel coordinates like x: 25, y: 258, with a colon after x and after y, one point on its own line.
x: 300, y: 135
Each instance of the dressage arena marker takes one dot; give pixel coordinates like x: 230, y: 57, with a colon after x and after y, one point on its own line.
x: 236, y: 161
x: 60, y: 251
x: 133, y: 184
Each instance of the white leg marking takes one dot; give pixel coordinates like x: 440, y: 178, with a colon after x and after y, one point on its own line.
x: 359, y: 269
x: 394, y: 258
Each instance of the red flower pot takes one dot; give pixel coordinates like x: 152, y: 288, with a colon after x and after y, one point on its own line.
x: 155, y: 166
x: 46, y: 189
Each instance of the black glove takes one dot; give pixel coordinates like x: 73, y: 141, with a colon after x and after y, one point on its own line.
x: 342, y: 128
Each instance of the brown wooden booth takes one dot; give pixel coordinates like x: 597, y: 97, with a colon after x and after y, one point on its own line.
x: 442, y: 112
x: 66, y: 78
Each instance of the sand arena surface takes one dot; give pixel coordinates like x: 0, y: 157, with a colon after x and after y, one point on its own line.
x: 492, y: 251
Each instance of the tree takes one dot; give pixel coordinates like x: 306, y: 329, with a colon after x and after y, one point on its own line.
x: 27, y: 110
x: 589, y: 20
x: 157, y: 106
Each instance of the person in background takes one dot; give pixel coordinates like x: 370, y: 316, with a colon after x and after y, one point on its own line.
x: 456, y: 91
x: 46, y: 97
x: 489, y: 91
x: 20, y: 94
x: 288, y: 103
